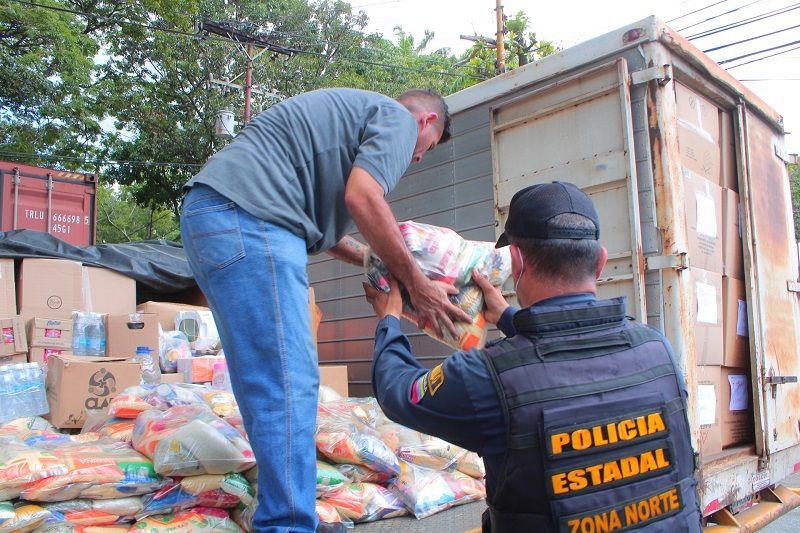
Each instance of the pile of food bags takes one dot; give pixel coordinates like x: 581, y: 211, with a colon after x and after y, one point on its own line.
x: 443, y: 255
x: 175, y: 458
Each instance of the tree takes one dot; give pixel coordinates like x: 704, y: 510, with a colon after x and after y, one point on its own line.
x: 121, y: 219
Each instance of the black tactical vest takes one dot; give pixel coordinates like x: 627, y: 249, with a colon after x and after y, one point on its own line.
x: 597, y: 434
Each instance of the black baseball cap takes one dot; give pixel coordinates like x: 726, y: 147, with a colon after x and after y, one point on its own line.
x: 533, y: 207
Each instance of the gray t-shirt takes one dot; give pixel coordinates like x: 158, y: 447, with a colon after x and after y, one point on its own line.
x: 289, y: 166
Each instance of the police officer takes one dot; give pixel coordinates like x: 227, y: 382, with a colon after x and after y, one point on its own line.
x: 579, y: 412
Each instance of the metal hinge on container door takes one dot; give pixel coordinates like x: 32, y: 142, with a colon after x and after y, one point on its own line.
x: 660, y: 262
x: 787, y: 158
x: 662, y: 74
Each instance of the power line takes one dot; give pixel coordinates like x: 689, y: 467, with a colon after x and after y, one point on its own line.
x: 720, y: 15
x: 222, y: 39
x: 121, y: 162
x: 758, y: 52
x: 743, y: 22
x: 750, y: 39
x: 697, y: 11
x: 765, y: 57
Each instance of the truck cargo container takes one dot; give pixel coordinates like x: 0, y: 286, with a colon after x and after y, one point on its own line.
x: 57, y: 202
x: 658, y: 135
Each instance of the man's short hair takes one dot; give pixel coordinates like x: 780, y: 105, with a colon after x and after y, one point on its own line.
x: 562, y: 259
x: 423, y: 100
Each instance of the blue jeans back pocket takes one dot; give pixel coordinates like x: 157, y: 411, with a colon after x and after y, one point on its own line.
x: 212, y: 222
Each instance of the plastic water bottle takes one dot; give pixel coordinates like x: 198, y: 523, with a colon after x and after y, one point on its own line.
x: 88, y: 334
x: 8, y: 401
x: 22, y: 391
x: 150, y: 371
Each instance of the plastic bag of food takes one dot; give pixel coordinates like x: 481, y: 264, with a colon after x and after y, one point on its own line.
x: 329, y: 478
x: 6, y: 511
x: 25, y: 427
x: 471, y: 464
x: 104, y: 469
x: 139, y: 398
x: 84, y: 512
x: 328, y: 394
x: 345, y: 439
x: 27, y: 517
x: 445, y: 256
x: 429, y: 451
x: 426, y: 492
x: 361, y: 474
x: 173, y: 345
x: 197, y: 520
x: 66, y: 527
x: 328, y: 513
x: 191, y: 440
x: 21, y: 464
x: 218, y: 491
x: 365, y: 502
x: 221, y: 402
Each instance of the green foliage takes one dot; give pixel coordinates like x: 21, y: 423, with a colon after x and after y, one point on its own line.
x: 121, y: 219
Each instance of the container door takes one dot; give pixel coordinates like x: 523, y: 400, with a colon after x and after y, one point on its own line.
x: 579, y: 129
x: 63, y: 207
x: 771, y: 252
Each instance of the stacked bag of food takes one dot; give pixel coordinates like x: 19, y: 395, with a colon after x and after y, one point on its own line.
x: 175, y: 457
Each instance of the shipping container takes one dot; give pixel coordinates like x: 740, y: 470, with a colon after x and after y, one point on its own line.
x: 659, y: 136
x: 57, y: 202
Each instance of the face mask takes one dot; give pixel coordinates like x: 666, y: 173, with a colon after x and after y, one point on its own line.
x: 521, y: 270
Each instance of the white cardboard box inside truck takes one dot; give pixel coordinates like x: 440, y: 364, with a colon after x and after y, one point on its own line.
x: 624, y: 116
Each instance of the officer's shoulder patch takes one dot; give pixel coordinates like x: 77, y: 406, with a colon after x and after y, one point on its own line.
x: 428, y: 382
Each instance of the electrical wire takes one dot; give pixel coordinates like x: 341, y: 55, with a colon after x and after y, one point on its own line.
x: 743, y: 22
x: 697, y: 11
x: 225, y: 40
x: 720, y: 15
x: 749, y: 39
x: 121, y: 162
x: 762, y: 58
x: 750, y: 54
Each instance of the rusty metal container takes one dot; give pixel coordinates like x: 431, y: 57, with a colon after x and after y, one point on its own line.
x: 53, y: 201
x: 658, y: 135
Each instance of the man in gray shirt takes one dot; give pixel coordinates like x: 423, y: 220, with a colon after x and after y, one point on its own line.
x: 292, y: 183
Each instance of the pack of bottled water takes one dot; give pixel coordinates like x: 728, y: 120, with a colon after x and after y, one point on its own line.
x: 22, y: 391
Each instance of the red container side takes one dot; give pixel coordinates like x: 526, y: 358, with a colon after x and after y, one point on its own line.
x: 53, y: 201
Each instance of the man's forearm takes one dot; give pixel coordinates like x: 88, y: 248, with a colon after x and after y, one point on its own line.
x: 349, y: 250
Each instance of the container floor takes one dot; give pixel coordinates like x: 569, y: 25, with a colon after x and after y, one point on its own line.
x: 456, y: 520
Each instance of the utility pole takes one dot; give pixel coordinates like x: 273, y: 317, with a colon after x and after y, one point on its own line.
x: 500, y: 40
x: 245, y: 44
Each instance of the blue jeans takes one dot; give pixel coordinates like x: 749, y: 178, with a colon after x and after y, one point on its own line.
x: 254, y: 277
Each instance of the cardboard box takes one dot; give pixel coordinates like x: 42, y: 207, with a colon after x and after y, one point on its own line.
x: 706, y: 312
x: 167, y: 311
x: 198, y: 369
x: 50, y: 333
x: 698, y: 133
x: 76, y: 384
x: 8, y: 291
x: 126, y: 332
x: 172, y: 378
x: 736, y: 407
x: 14, y: 339
x: 107, y: 292
x: 729, y: 178
x: 736, y: 350
x: 57, y: 287
x: 315, y: 312
x: 703, y: 209
x: 42, y: 355
x: 335, y: 377
x: 708, y: 410
x: 49, y: 287
x: 13, y: 359
x: 732, y: 255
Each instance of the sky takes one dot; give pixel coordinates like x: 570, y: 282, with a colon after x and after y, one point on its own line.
x: 568, y: 22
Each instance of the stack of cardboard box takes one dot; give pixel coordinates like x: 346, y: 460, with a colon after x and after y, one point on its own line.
x: 716, y: 273
x: 14, y: 342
